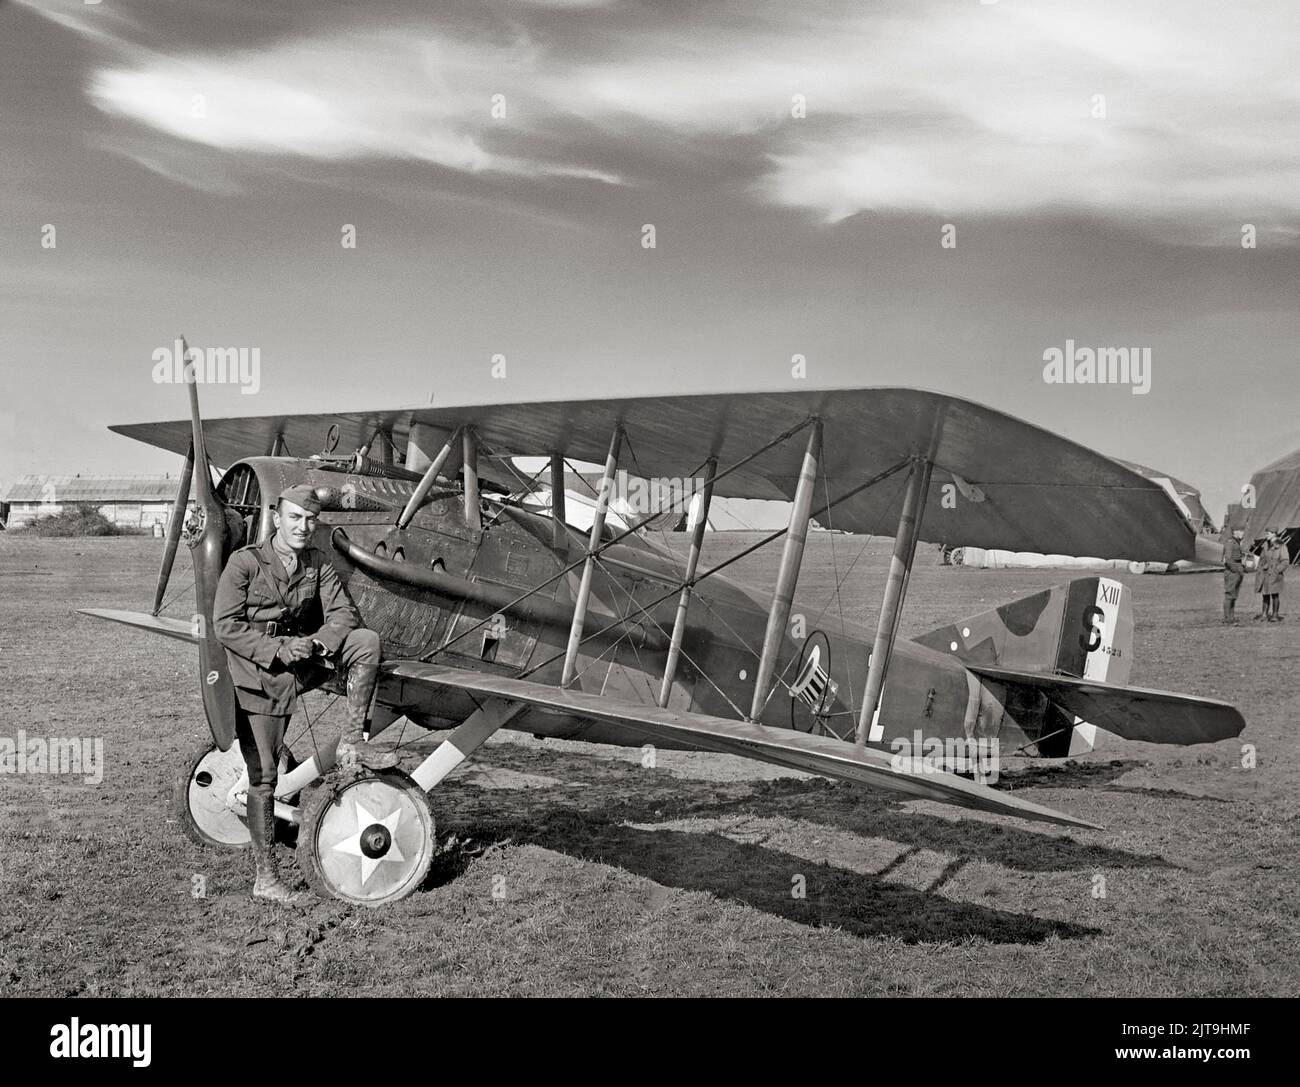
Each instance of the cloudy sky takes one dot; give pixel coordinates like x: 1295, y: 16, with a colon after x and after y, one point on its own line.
x: 498, y: 160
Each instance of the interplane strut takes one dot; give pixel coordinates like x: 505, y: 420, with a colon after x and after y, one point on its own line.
x: 900, y: 566
x: 692, y: 564
x: 788, y: 575
x: 589, y: 566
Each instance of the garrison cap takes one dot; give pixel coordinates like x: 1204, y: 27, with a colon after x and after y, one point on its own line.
x: 301, y: 495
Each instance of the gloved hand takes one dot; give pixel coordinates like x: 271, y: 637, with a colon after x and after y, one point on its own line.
x: 294, y: 649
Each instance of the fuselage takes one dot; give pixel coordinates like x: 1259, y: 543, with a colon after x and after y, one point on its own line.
x: 499, y: 599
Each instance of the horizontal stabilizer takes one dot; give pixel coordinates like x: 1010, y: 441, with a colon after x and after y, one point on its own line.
x: 156, y: 624
x: 783, y: 747
x: 1133, y: 713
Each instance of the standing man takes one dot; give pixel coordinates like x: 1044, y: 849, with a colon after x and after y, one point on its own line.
x: 1234, y: 569
x: 1273, y: 561
x: 280, y: 610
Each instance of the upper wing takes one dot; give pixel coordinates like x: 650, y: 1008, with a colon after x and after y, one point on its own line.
x: 1133, y: 713
x: 998, y: 482
x: 796, y: 750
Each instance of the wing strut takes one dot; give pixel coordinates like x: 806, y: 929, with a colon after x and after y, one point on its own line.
x: 788, y: 575
x: 900, y: 566
x: 559, y: 530
x: 380, y: 446
x: 426, y: 483
x: 589, y: 566
x: 471, y: 734
x: 692, y: 564
x: 469, y: 450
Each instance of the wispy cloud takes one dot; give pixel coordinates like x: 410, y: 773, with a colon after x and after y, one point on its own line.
x: 1110, y: 108
x: 1106, y: 108
x: 385, y: 94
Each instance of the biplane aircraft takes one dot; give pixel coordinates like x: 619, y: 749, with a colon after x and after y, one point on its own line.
x: 497, y: 612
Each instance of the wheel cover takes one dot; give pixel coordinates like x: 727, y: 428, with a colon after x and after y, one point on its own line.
x: 373, y: 843
x: 210, y: 783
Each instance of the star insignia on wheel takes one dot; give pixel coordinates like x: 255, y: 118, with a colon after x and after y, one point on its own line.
x: 352, y: 845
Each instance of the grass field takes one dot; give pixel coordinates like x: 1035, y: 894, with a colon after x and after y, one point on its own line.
x: 571, y: 869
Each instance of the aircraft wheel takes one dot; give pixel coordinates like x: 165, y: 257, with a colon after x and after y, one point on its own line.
x: 199, y: 799
x: 368, y: 840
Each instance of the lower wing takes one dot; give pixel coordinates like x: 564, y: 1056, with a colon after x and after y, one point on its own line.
x: 181, y: 629
x: 783, y: 747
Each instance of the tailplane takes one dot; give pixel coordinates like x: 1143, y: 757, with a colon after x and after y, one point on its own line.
x: 1134, y: 713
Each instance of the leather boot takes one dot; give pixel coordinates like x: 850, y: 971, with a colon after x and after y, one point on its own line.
x: 261, y: 827
x: 353, y: 752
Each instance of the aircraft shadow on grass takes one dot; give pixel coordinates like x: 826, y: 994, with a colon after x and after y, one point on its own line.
x: 1103, y: 777
x: 865, y: 905
x: 617, y: 792
x: 969, y: 839
x: 1069, y: 775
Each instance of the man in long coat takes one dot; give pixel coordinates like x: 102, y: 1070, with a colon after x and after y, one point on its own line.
x: 1273, y: 561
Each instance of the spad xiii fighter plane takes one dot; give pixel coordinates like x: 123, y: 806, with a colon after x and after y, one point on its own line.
x: 497, y: 611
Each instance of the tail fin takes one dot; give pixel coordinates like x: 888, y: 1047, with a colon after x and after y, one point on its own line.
x: 1083, y: 629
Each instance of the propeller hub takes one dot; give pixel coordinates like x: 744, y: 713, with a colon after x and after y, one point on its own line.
x: 195, y: 523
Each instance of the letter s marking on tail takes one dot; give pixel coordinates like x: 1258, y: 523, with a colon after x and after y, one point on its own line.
x: 1090, y: 639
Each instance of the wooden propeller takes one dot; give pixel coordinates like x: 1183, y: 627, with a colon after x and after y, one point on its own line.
x: 208, y: 537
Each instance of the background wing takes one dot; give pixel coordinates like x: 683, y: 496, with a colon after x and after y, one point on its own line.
x: 999, y: 482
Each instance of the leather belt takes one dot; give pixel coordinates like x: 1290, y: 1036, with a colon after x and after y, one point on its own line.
x: 281, y: 628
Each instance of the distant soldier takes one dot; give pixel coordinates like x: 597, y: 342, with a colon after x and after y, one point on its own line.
x: 1234, y: 569
x: 1273, y: 561
x: 280, y: 611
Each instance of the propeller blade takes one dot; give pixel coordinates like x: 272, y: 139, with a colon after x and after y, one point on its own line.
x: 208, y: 537
x: 174, y: 526
x: 203, y: 479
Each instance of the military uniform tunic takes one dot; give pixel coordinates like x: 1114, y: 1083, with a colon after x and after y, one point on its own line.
x: 1234, y: 568
x: 310, y: 603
